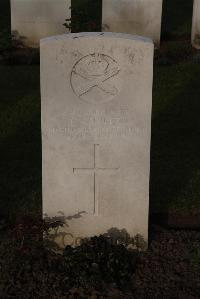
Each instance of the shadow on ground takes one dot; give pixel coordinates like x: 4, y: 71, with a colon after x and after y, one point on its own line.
x: 20, y: 145
x: 175, y: 160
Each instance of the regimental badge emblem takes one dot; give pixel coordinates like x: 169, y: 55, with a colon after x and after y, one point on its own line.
x: 95, y: 78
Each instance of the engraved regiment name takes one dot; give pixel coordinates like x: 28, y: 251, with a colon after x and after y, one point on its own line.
x: 102, y: 124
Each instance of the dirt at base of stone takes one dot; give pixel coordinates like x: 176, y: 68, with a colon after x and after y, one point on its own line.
x: 169, y: 269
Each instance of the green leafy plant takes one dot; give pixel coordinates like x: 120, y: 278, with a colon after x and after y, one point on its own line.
x: 195, y: 256
x: 5, y: 41
x: 68, y: 23
x: 26, y: 264
x: 85, y: 16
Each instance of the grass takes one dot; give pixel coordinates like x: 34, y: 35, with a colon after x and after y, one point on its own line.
x: 175, y: 160
x: 20, y: 144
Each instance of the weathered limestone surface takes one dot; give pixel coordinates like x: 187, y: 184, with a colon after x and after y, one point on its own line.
x: 196, y: 25
x: 32, y: 20
x: 140, y: 17
x: 96, y: 91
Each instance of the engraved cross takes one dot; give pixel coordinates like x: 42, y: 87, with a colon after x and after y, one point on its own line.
x: 95, y: 170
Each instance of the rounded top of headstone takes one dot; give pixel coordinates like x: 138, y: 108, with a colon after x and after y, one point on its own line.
x: 97, y: 35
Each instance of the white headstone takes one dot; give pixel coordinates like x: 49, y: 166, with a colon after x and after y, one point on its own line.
x: 96, y: 93
x: 196, y: 25
x: 140, y: 17
x: 32, y: 20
